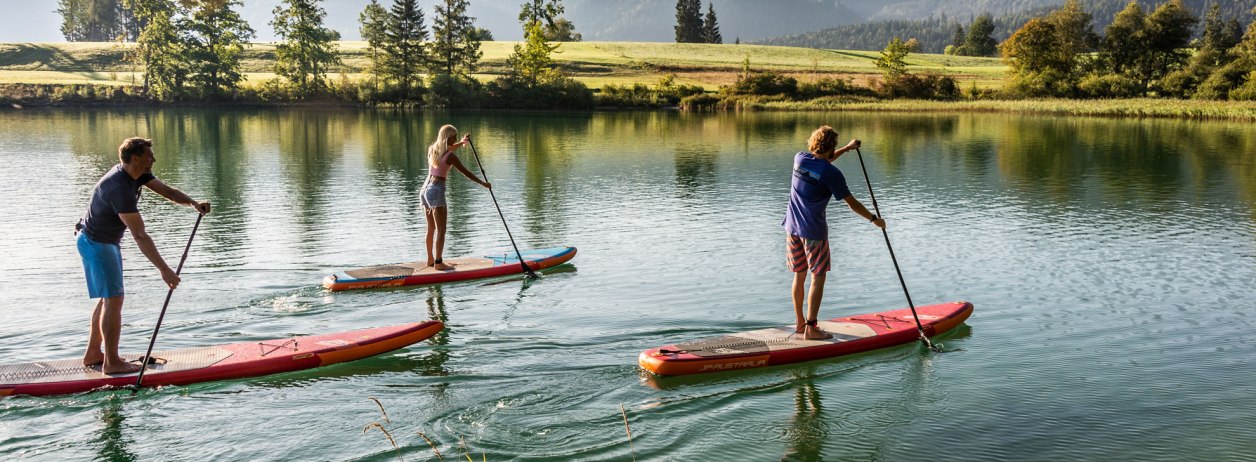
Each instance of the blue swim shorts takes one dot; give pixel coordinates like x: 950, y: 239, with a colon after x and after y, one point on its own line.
x: 102, y: 264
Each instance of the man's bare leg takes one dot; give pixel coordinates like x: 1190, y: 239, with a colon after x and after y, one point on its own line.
x: 800, y: 322
x: 94, y: 356
x: 111, y: 331
x: 813, y: 307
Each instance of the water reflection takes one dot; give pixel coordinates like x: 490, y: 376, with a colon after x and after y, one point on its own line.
x: 807, y: 430
x: 114, y: 444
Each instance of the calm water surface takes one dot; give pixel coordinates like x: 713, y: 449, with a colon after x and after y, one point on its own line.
x: 1111, y: 262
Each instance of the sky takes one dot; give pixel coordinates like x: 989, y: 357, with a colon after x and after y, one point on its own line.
x: 37, y: 20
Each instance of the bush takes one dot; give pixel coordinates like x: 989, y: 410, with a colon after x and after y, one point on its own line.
x: 1222, y: 81
x: 1247, y: 91
x: 454, y: 91
x: 1048, y: 82
x: 559, y: 93
x: 830, y: 87
x: 915, y: 86
x: 1109, y: 86
x: 1180, y: 83
x: 762, y: 83
x: 699, y: 103
x: 636, y: 95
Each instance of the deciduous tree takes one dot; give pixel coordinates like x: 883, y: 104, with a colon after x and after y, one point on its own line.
x: 308, y: 50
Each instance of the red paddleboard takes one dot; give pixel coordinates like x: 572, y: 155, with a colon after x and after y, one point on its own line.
x: 205, y: 364
x: 415, y: 273
x: 776, y: 346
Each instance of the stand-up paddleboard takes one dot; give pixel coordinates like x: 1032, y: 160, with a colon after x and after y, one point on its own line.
x: 414, y: 273
x: 205, y: 364
x: 776, y: 346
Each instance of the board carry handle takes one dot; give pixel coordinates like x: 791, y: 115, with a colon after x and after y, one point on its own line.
x: 877, y: 209
x: 526, y: 269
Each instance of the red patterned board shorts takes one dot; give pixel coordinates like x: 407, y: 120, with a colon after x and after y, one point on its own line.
x: 802, y: 253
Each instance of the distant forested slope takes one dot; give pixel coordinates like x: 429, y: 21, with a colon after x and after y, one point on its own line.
x: 934, y: 31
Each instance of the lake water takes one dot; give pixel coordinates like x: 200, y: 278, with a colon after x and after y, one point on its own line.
x: 1111, y: 262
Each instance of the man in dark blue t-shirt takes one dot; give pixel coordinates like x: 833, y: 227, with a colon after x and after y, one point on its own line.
x: 114, y: 208
x: 815, y: 181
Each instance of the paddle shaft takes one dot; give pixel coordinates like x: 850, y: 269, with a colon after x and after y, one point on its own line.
x: 877, y: 209
x: 526, y: 268
x: 139, y: 380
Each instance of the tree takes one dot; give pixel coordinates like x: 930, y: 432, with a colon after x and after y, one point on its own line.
x: 548, y: 13
x: 531, y: 63
x: 455, y: 46
x: 308, y: 49
x: 689, y: 21
x: 373, y: 25
x: 893, y: 59
x: 979, y: 41
x: 405, y: 52
x: 956, y: 40
x: 1123, y: 40
x: 216, y: 37
x: 1038, y: 66
x: 711, y: 28
x: 160, y: 48
x: 1167, y: 32
x: 562, y: 31
x: 96, y: 21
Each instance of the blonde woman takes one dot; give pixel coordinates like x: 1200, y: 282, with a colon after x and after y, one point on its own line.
x: 440, y: 156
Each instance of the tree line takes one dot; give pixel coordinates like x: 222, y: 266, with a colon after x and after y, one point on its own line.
x: 937, y: 32
x: 1142, y: 52
x: 191, y: 50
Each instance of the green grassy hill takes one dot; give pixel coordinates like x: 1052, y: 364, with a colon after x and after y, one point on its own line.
x: 595, y: 63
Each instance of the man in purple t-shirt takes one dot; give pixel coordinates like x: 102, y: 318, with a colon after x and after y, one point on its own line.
x: 815, y: 181
x: 114, y: 208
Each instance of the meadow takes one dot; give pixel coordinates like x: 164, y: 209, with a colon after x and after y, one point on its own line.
x: 596, y: 64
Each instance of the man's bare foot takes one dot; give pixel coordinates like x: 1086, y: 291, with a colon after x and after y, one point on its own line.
x: 800, y: 327
x: 120, y: 366
x: 430, y: 263
x: 442, y: 267
x: 93, y: 358
x: 815, y: 333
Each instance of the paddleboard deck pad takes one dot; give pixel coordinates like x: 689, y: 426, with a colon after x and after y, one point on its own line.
x: 776, y: 346
x: 205, y: 364
x: 415, y: 273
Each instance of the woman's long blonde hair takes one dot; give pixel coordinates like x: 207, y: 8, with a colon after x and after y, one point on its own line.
x: 444, y: 138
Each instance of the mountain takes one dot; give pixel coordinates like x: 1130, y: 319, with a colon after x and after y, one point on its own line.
x: 933, y: 22
x: 602, y: 20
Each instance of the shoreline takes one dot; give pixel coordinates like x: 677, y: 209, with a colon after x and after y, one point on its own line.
x: 1139, y: 108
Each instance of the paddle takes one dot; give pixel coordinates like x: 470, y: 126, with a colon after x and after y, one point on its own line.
x: 522, y: 263
x: 148, y: 354
x: 919, y: 328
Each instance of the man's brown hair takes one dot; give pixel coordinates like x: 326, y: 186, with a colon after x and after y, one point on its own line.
x: 133, y: 146
x: 823, y: 141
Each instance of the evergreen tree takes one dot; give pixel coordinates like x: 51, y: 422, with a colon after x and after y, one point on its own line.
x: 373, y: 25
x: 979, y: 41
x: 893, y: 59
x: 711, y: 28
x: 308, y: 49
x: 216, y: 37
x: 957, y: 39
x: 160, y: 48
x: 531, y: 63
x: 689, y: 21
x: 1220, y: 35
x: 404, y: 48
x: 455, y: 46
x: 95, y: 20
